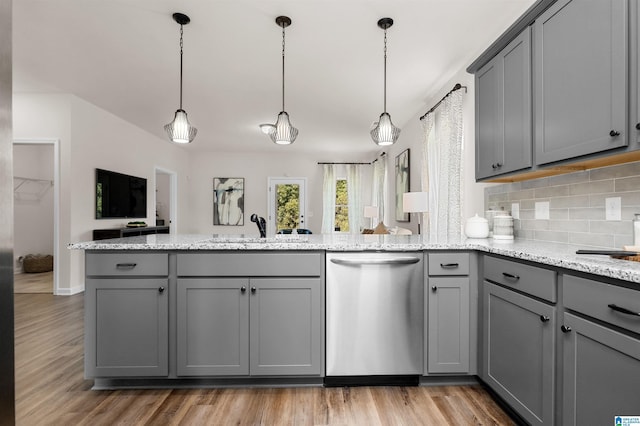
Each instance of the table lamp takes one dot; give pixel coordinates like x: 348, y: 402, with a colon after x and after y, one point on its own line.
x: 371, y: 212
x: 415, y: 202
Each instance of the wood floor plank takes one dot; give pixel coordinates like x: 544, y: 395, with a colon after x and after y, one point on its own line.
x: 51, y: 389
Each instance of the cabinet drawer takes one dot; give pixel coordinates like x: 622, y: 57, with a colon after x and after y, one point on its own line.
x: 448, y: 264
x: 532, y: 280
x: 594, y: 298
x: 279, y: 264
x: 127, y: 263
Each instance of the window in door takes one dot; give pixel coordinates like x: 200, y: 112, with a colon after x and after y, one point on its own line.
x: 286, y: 204
x: 342, y: 206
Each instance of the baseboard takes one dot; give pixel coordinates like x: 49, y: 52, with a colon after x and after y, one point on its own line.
x: 69, y: 291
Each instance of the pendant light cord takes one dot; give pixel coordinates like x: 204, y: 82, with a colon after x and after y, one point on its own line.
x: 181, y: 66
x: 385, y: 70
x: 283, y: 66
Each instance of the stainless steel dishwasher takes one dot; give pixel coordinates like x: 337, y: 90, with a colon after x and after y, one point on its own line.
x: 375, y: 314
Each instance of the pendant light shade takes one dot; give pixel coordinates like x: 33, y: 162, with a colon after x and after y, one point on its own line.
x: 281, y: 133
x: 180, y: 130
x: 385, y: 133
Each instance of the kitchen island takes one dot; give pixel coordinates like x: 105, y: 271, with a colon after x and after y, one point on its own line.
x: 539, y: 324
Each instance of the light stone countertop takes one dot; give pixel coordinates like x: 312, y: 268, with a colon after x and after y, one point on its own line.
x: 552, y: 254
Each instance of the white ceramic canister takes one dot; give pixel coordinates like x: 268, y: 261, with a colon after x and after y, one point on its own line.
x: 503, y: 227
x: 476, y: 227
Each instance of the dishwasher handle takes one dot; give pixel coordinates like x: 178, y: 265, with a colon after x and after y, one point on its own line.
x: 373, y: 261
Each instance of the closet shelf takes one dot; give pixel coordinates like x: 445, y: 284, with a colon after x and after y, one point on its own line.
x: 29, y: 189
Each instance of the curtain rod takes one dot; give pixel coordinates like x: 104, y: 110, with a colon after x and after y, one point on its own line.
x: 458, y: 86
x: 328, y: 162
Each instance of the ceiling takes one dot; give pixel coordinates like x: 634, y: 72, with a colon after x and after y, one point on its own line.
x: 123, y: 56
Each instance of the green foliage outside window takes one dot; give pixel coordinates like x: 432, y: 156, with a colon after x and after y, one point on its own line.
x: 288, y: 206
x: 342, y: 209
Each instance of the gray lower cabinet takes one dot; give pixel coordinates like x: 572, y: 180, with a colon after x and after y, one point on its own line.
x: 519, y: 351
x: 601, y: 351
x: 249, y: 326
x: 127, y: 323
x: 601, y: 373
x: 448, y: 325
x: 503, y: 110
x: 580, y: 79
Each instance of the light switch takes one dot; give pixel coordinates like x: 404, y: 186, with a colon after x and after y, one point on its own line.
x: 542, y: 210
x: 613, y: 208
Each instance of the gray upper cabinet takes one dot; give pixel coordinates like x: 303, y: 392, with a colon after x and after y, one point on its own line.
x: 634, y: 77
x: 580, y: 79
x: 503, y: 110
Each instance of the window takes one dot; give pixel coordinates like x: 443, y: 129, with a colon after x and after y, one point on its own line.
x: 342, y: 208
x: 286, y: 203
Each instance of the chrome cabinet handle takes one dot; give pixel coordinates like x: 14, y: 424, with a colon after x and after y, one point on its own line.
x: 161, y: 290
x: 623, y: 310
x: 565, y: 329
x: 511, y: 276
x: 253, y: 290
x: 126, y: 265
x: 243, y: 289
x: 614, y: 133
x: 393, y: 261
x: 434, y: 288
x: 544, y: 318
x: 449, y: 265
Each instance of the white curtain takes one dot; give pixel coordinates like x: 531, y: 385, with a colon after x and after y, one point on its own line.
x: 354, y: 197
x: 379, y: 194
x: 442, y: 161
x: 328, y: 199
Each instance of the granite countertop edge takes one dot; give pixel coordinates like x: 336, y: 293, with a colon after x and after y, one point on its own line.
x: 545, y: 253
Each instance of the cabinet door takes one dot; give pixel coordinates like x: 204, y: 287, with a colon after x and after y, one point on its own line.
x: 601, y: 373
x: 126, y: 327
x: 448, y: 325
x: 286, y: 329
x: 213, y: 326
x: 580, y: 78
x: 634, y: 76
x: 503, y: 110
x: 489, y: 106
x: 518, y: 348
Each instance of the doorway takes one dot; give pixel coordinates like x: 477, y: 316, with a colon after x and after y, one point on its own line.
x: 166, y: 196
x: 287, y: 203
x: 36, y: 186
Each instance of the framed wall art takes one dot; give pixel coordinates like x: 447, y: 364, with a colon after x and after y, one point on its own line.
x: 228, y: 201
x: 402, y: 184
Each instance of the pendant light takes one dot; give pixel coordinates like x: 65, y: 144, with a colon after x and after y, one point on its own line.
x: 281, y: 133
x: 180, y: 130
x: 385, y: 133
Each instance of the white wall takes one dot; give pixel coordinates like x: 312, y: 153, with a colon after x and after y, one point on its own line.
x: 33, y: 205
x: 255, y: 168
x: 92, y: 138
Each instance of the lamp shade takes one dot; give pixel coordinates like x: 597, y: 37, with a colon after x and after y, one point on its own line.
x: 415, y: 202
x: 370, y: 211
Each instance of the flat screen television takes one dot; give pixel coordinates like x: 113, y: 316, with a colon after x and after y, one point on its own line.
x: 120, y: 196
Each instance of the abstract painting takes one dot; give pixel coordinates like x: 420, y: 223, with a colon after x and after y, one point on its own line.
x: 228, y: 201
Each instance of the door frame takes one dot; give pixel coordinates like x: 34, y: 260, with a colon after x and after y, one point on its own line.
x: 56, y: 201
x: 271, y: 205
x: 173, y: 196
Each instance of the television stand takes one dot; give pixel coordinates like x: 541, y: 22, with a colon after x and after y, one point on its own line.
x: 103, y: 234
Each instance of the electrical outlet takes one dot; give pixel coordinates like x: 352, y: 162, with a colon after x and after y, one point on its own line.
x: 613, y: 208
x: 542, y: 210
x: 515, y: 210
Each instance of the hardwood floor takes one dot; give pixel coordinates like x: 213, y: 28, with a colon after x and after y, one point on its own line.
x: 50, y: 389
x: 33, y: 283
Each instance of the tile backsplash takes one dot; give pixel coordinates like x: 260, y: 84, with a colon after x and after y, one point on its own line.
x: 576, y: 212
